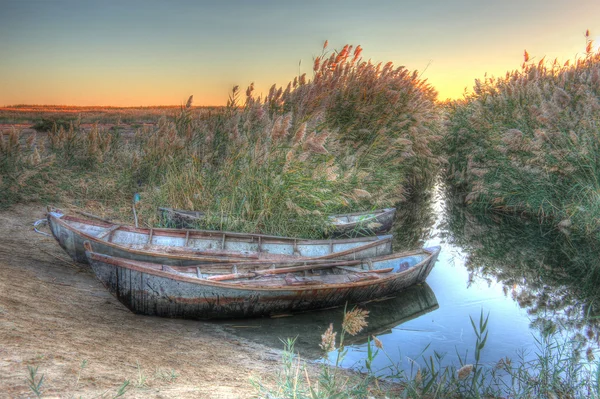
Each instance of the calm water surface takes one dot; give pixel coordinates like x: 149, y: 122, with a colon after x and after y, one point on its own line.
x: 508, y: 268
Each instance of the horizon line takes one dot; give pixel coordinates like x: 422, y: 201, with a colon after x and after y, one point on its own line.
x: 17, y: 106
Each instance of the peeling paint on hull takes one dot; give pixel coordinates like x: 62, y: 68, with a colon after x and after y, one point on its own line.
x: 158, y: 293
x: 191, y: 247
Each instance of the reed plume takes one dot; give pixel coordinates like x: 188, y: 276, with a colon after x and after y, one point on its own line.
x: 355, y: 321
x: 328, y: 339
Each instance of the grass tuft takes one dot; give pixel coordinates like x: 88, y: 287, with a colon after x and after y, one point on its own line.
x: 556, y: 371
x: 34, y: 382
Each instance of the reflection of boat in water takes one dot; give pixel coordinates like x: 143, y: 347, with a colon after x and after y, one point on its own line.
x: 385, y: 315
x: 308, y: 327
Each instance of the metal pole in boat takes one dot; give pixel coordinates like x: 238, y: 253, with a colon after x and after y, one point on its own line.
x: 136, y: 198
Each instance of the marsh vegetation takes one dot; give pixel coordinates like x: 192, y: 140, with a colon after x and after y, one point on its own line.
x: 519, y: 155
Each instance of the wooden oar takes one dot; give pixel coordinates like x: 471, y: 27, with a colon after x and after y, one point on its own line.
x: 267, y: 266
x: 283, y: 270
x: 108, y: 232
x: 216, y: 253
x: 93, y: 216
x: 356, y: 270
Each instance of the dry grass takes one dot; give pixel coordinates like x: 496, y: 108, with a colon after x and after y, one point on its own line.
x: 30, y: 114
x: 356, y: 136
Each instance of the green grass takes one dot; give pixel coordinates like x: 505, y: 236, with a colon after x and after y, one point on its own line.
x: 276, y: 165
x: 36, y: 383
x: 556, y: 371
x: 529, y: 142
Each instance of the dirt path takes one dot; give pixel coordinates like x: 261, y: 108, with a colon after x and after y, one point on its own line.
x: 54, y: 314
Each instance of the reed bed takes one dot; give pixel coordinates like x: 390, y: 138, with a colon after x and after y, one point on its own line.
x: 528, y: 142
x: 357, y: 136
x: 42, y: 117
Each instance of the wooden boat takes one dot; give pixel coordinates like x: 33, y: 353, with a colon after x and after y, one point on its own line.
x: 363, y: 223
x: 356, y: 224
x: 188, y: 247
x: 193, y: 292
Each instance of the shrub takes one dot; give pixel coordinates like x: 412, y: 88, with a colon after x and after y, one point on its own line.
x: 48, y: 124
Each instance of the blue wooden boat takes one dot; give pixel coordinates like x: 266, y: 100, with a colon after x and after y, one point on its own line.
x: 356, y: 224
x: 256, y: 289
x: 189, y: 247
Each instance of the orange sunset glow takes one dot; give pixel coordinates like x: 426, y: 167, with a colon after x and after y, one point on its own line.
x: 152, y: 53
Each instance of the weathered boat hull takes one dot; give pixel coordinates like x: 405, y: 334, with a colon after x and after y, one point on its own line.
x: 146, y: 290
x: 363, y: 223
x: 357, y: 224
x: 190, y: 247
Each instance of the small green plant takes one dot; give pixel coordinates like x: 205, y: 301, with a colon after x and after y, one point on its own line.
x: 169, y: 376
x: 141, y: 382
x: 555, y: 372
x: 476, y: 370
x: 82, y: 366
x: 34, y: 382
x: 122, y: 389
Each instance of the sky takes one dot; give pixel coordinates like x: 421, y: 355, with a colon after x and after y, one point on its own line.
x: 149, y: 52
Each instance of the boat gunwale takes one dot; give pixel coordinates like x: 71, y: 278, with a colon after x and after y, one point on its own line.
x: 168, y: 232
x: 205, y: 255
x: 375, y: 213
x: 387, y: 277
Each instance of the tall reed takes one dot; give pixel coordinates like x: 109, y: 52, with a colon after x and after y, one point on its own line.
x: 356, y: 136
x: 529, y: 141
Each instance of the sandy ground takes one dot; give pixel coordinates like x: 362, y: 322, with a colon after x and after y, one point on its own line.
x: 55, y: 315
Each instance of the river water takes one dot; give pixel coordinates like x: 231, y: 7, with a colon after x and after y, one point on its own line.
x: 528, y: 279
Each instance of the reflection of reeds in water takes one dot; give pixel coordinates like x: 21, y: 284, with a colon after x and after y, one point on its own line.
x: 415, y: 219
x: 309, y: 327
x: 553, y: 275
